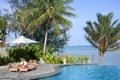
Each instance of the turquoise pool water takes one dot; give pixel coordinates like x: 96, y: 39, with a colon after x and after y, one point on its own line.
x: 88, y: 72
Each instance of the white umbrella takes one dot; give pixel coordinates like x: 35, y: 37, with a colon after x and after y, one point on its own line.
x: 22, y: 39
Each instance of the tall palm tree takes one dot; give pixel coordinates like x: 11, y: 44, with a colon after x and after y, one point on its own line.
x: 103, y: 34
x: 50, y: 13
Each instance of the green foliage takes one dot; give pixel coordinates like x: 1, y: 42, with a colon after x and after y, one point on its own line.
x: 103, y: 31
x: 31, y: 15
x: 70, y: 59
x: 103, y: 34
x: 33, y: 52
x: 80, y: 59
x: 28, y: 52
x: 52, y: 59
x: 4, y: 60
x: 3, y: 25
x: 55, y: 42
x: 84, y: 59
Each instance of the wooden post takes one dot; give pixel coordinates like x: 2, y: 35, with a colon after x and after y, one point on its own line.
x: 92, y: 58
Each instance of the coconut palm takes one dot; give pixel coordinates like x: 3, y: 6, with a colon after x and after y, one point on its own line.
x: 103, y: 34
x: 49, y: 13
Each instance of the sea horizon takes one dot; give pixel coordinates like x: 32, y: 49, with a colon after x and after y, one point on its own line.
x: 110, y: 57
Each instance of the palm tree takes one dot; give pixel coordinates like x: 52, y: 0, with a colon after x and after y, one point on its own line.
x: 103, y: 34
x: 50, y: 13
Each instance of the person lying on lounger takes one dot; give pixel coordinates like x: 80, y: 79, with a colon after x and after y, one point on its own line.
x: 23, y: 62
x: 32, y: 64
x: 23, y: 65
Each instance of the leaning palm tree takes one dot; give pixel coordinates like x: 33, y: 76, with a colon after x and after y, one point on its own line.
x: 50, y: 13
x: 103, y: 34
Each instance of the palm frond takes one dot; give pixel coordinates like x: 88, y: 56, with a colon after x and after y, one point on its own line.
x: 91, y: 41
x: 104, y: 32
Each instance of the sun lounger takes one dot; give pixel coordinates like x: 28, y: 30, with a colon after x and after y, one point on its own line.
x: 32, y: 64
x: 23, y: 69
x: 13, y: 67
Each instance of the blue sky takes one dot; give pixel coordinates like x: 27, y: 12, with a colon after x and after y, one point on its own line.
x: 86, y: 10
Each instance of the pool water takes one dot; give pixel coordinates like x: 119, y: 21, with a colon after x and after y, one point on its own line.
x: 87, y: 72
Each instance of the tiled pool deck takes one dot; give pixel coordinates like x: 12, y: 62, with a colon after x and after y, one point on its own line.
x: 41, y: 71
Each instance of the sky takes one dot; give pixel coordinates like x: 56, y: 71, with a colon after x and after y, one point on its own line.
x: 85, y: 10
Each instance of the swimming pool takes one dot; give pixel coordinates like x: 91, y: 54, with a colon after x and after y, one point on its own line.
x: 87, y: 72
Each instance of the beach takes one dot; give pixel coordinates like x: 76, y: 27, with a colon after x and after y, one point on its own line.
x: 110, y: 58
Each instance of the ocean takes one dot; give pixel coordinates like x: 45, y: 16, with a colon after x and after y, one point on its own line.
x: 110, y: 57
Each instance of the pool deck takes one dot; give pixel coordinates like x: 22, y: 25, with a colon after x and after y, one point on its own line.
x: 42, y: 71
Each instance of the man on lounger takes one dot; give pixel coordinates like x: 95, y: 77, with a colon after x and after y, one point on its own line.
x: 23, y: 62
x: 23, y: 65
x: 32, y: 64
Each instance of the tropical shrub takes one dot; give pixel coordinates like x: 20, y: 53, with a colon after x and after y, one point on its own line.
x: 70, y: 59
x: 78, y: 59
x: 28, y: 52
x: 4, y: 60
x: 84, y: 59
x: 34, y: 51
x: 52, y: 59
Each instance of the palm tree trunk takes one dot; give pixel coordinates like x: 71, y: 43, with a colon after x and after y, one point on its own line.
x: 101, y: 57
x: 45, y: 41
